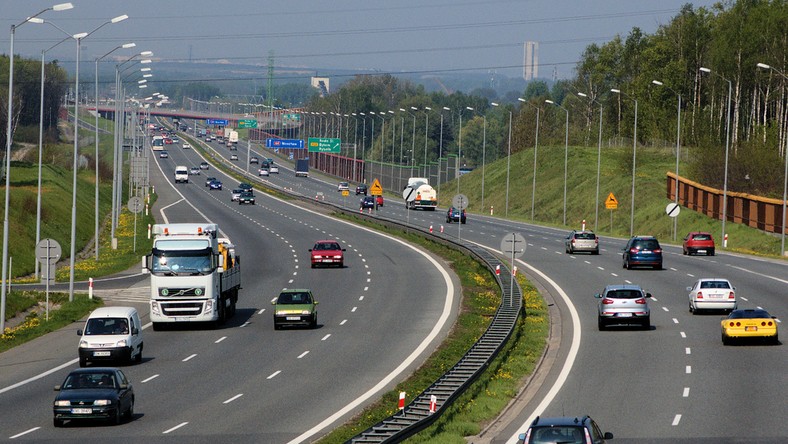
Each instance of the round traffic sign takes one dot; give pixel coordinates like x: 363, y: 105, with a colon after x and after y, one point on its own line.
x: 460, y: 201
x: 513, y: 244
x: 672, y: 209
x: 48, y: 250
x: 409, y: 194
x: 135, y: 204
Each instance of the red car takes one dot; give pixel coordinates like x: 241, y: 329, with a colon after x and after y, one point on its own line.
x: 698, y: 242
x: 379, y: 199
x: 327, y: 252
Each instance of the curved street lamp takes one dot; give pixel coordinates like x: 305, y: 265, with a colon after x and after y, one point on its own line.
x: 598, y: 161
x: 566, y: 151
x: 634, y: 157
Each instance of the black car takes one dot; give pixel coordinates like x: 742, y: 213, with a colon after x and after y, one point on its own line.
x: 642, y: 251
x: 565, y: 430
x: 94, y: 393
x: 246, y: 197
x: 361, y: 189
x: 367, y: 202
x: 455, y: 215
x: 245, y: 186
x: 203, y: 165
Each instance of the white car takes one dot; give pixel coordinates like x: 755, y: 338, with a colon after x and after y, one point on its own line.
x: 234, y: 157
x: 186, y: 146
x: 273, y: 169
x: 343, y: 186
x: 712, y: 294
x: 262, y: 172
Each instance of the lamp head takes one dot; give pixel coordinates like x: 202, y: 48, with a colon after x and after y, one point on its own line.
x: 617, y: 91
x: 128, y: 45
x: 707, y: 70
x: 119, y: 18
x: 62, y: 7
x: 146, y: 53
x: 521, y: 99
x: 81, y: 35
x: 493, y: 104
x: 447, y: 108
x: 657, y: 82
x: 763, y: 66
x: 549, y: 101
x: 582, y: 94
x: 414, y: 108
x: 35, y: 20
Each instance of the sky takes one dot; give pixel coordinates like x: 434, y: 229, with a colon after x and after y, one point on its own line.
x: 423, y: 36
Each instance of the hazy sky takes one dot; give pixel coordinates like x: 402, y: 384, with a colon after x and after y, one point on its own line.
x: 386, y: 36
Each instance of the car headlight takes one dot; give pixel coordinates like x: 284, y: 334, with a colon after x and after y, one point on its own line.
x: 83, y: 344
x: 154, y: 307
x: 102, y: 402
x: 209, y: 306
x: 121, y: 343
x: 62, y: 403
x: 317, y: 256
x: 306, y: 312
x: 339, y: 256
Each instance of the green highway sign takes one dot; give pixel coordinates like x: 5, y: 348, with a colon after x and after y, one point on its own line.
x: 247, y: 123
x: 324, y: 145
x: 293, y: 117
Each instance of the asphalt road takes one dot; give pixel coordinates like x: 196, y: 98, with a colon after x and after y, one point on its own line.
x: 675, y: 382
x: 379, y: 317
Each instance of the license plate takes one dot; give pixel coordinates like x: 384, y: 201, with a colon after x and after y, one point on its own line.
x: 625, y: 315
x: 101, y: 353
x: 701, y: 251
x: 81, y: 411
x: 294, y: 318
x: 328, y: 260
x: 715, y: 296
x: 751, y: 328
x: 646, y: 251
x: 181, y: 319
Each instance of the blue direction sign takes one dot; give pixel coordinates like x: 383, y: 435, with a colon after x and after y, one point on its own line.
x: 284, y: 143
x: 222, y: 122
x: 324, y: 145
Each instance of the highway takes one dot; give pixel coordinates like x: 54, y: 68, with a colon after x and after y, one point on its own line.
x: 246, y: 382
x: 675, y: 382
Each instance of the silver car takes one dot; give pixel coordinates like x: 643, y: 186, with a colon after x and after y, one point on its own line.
x: 623, y: 304
x: 712, y: 294
x: 584, y: 240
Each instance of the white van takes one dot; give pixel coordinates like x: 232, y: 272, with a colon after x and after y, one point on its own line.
x: 111, y: 334
x: 181, y: 174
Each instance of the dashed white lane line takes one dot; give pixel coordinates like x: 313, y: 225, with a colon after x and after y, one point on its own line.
x: 366, y: 288
x: 361, y: 298
x: 244, y: 324
x: 233, y: 398
x: 303, y: 354
x: 149, y: 379
x: 683, y: 335
x: 220, y: 339
x: 353, y: 310
x: 587, y: 262
x: 665, y: 308
x: 676, y: 321
x: 745, y: 299
x: 688, y: 369
x: 290, y: 281
x: 273, y: 375
x: 690, y: 275
x: 614, y: 274
x: 627, y: 281
x: 686, y: 392
x: 343, y: 322
x: 262, y: 310
x: 676, y: 420
x: 688, y: 350
x: 174, y: 428
x: 189, y: 357
x: 24, y: 433
x: 601, y: 268
x: 325, y: 337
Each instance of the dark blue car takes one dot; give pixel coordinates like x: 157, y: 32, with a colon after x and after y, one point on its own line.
x: 215, y: 184
x: 642, y: 251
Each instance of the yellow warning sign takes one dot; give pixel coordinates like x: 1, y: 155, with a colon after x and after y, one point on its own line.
x: 376, y: 189
x: 611, y: 203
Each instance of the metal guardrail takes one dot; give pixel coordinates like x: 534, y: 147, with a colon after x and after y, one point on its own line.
x: 416, y: 416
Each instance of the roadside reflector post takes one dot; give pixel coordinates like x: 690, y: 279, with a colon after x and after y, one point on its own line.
x: 433, y: 403
x: 148, y: 231
x: 497, y: 270
x: 584, y: 225
x: 491, y: 210
x: 514, y: 270
x: 401, y: 404
x: 725, y: 241
x: 441, y: 228
x: 430, y: 228
x: 90, y: 288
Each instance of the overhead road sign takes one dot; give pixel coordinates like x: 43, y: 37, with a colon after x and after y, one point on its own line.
x: 221, y: 122
x: 247, y: 123
x: 611, y: 203
x: 285, y: 143
x: 324, y: 145
x: 375, y: 189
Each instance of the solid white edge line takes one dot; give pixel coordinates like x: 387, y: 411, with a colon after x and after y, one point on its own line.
x: 574, y: 348
x: 174, y: 428
x: 24, y: 433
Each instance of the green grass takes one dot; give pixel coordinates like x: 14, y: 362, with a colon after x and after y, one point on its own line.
x: 615, y: 177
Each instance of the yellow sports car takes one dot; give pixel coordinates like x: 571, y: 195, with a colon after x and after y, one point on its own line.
x: 749, y: 323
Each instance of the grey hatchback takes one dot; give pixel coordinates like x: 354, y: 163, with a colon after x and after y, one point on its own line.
x: 582, y: 240
x: 623, y: 304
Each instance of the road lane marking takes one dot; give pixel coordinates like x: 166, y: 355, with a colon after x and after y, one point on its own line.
x: 24, y: 433
x: 303, y: 354
x: 353, y: 310
x: 220, y: 339
x: 262, y: 309
x: 366, y: 288
x: 149, y: 379
x: 676, y: 420
x: 244, y: 324
x: 683, y: 335
x: 343, y: 322
x: 665, y: 308
x: 325, y: 337
x: 688, y: 370
x: 686, y: 392
x: 189, y: 357
x: 614, y: 274
x: 361, y: 298
x: 676, y: 321
x: 601, y: 268
x: 688, y: 350
x: 174, y: 428
x: 233, y: 398
x: 273, y: 375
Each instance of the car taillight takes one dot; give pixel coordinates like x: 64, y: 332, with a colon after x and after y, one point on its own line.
x: 658, y: 250
x: 731, y: 296
x: 633, y: 251
x: 731, y: 324
x: 738, y: 324
x: 606, y: 301
x: 640, y: 301
x: 573, y: 241
x: 596, y: 241
x: 700, y: 295
x: 769, y: 323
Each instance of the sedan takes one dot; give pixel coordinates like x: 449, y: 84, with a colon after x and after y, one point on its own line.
x: 455, y: 215
x: 94, y: 393
x: 698, y: 242
x: 245, y: 186
x: 208, y: 180
x: 164, y: 154
x: 246, y: 197
x: 253, y: 160
x: 233, y: 157
x: 195, y: 171
x: 273, y: 169
x: 187, y: 146
x: 327, y: 252
x: 235, y: 195
x: 215, y: 184
x: 295, y: 307
x: 367, y: 202
x: 711, y: 294
x: 623, y: 304
x: 343, y: 186
x: 749, y: 323
x: 263, y: 172
x: 203, y: 165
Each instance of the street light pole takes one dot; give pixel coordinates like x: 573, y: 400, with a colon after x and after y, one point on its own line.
x: 598, y: 163
x: 9, y: 138
x: 566, y: 151
x: 459, y: 150
x: 678, y: 150
x: 508, y: 161
x: 727, y: 146
x: 426, y: 128
x: 634, y: 158
x: 440, y: 151
x: 785, y: 173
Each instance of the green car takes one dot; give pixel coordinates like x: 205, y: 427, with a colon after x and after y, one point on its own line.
x: 246, y: 197
x: 295, y: 307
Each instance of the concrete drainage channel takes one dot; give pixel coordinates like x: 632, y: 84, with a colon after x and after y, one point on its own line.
x: 416, y: 416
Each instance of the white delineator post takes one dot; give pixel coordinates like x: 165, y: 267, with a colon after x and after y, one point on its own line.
x: 90, y: 288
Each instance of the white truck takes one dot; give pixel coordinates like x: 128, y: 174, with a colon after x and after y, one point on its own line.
x: 194, y: 275
x: 181, y: 174
x: 426, y: 197
x: 233, y: 138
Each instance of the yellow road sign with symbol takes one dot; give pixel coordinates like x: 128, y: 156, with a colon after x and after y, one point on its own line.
x: 376, y: 189
x: 611, y: 203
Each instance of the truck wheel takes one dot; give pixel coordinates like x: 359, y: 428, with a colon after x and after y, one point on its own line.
x: 138, y: 358
x: 222, y: 314
x: 83, y: 362
x: 156, y: 326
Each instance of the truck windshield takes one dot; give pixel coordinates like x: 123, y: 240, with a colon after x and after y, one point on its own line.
x: 180, y: 262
